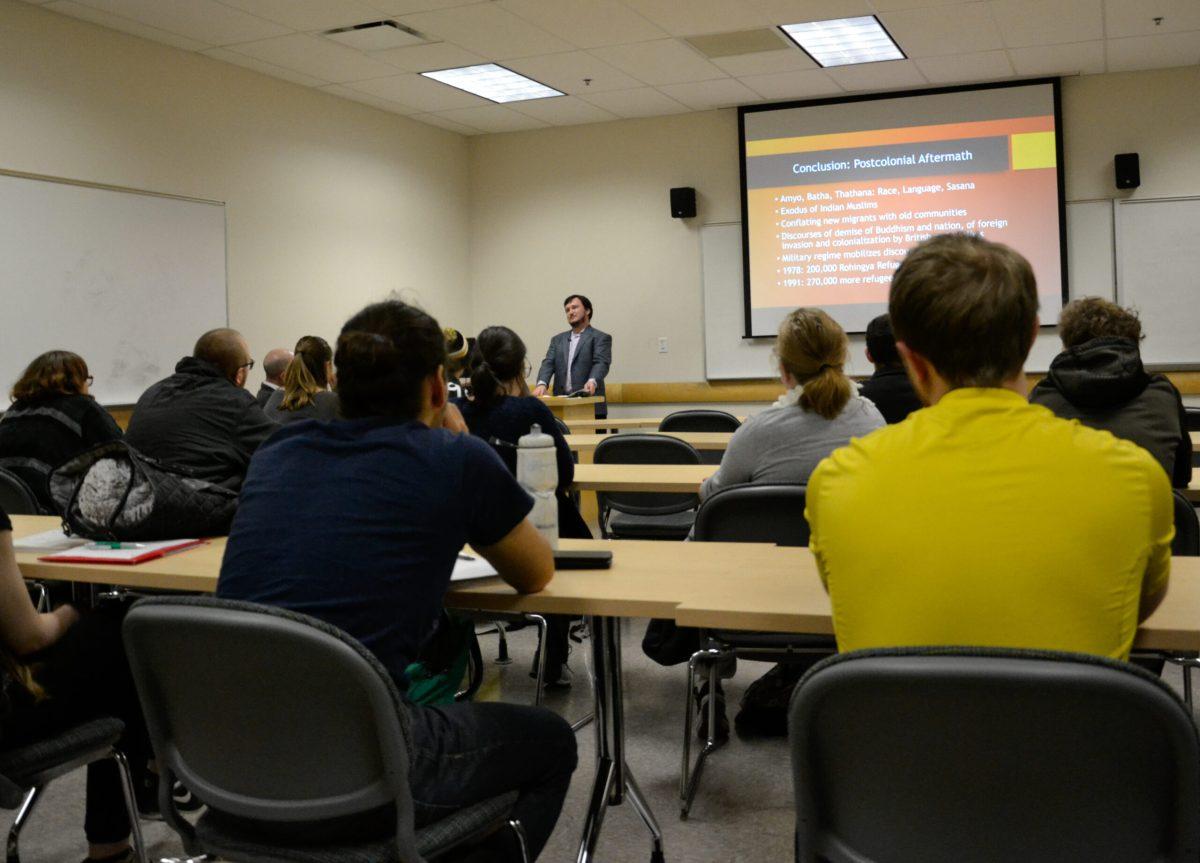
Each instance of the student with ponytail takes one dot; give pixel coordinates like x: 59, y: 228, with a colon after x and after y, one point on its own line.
x: 306, y: 383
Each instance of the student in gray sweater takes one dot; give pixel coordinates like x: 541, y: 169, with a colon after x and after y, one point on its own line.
x: 820, y: 412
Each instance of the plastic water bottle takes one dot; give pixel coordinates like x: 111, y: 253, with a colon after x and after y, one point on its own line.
x: 537, y: 472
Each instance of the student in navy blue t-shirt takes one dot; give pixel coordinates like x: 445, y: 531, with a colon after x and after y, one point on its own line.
x: 358, y: 522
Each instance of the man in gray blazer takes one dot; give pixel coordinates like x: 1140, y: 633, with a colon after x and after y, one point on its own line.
x: 578, y: 359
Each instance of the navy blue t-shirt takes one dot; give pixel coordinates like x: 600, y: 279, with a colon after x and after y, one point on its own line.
x: 359, y: 522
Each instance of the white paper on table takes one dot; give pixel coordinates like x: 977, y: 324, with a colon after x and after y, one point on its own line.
x: 48, y: 541
x: 465, y: 570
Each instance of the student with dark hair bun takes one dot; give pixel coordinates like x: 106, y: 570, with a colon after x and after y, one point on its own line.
x: 500, y: 411
x: 359, y: 522
x: 306, y: 383
x: 53, y: 417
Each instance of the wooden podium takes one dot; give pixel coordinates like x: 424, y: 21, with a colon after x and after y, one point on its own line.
x: 567, y: 409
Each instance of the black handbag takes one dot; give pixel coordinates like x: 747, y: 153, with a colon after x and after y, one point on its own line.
x: 113, y: 492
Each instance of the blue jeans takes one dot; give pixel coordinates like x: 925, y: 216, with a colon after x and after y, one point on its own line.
x: 465, y: 753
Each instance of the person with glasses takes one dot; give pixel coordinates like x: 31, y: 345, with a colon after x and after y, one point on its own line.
x: 53, y: 417
x: 201, y: 419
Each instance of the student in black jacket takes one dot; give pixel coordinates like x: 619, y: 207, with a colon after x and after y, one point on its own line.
x: 889, y: 388
x: 52, y: 419
x: 201, y: 419
x: 1099, y: 380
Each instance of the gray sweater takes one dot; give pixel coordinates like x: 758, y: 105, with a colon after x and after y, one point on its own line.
x: 785, y: 444
x: 324, y: 407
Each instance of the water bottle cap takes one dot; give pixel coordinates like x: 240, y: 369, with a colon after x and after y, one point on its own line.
x: 535, y: 438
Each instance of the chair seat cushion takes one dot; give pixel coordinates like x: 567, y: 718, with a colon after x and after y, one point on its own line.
x: 46, y: 759
x: 677, y: 525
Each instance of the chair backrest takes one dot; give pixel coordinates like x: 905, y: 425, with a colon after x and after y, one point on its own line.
x: 754, y: 513
x: 699, y: 421
x: 645, y: 449
x: 1187, y: 528
x: 269, y: 715
x: 940, y: 755
x: 16, y: 497
x: 1192, y: 415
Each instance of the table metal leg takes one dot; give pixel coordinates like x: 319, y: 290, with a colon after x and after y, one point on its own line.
x: 613, y: 777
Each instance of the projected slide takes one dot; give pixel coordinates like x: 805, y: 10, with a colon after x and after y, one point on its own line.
x: 829, y: 215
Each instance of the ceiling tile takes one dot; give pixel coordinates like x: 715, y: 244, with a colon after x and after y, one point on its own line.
x: 366, y: 99
x: 227, y: 56
x: 116, y: 22
x: 642, y: 102
x: 493, y: 118
x: 890, y: 75
x: 1153, y: 52
x: 315, y: 56
x: 800, y: 11
x: 423, y: 94
x: 562, y: 111
x: 931, y: 32
x: 567, y: 72
x: 443, y: 123
x: 1082, y: 58
x: 487, y: 29
x: 586, y: 23
x: 793, y: 85
x: 310, y: 14
x: 203, y: 20
x: 664, y: 61
x: 1047, y: 22
x: 765, y: 62
x: 692, y: 17
x: 706, y: 95
x: 404, y: 7
x: 429, y: 58
x: 966, y: 68
x: 1136, y: 17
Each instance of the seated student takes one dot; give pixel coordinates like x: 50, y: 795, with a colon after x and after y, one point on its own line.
x: 305, y: 393
x: 52, y: 418
x: 275, y: 363
x: 889, y: 387
x: 359, y: 522
x: 201, y: 419
x: 59, y: 671
x: 457, y: 348
x: 501, y: 409
x: 982, y: 519
x: 1099, y: 380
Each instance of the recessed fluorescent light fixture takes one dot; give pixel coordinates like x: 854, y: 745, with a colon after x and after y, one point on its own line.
x: 493, y: 82
x: 843, y: 41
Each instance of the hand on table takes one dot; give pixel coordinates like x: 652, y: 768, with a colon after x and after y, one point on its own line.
x: 539, y: 390
x: 590, y: 388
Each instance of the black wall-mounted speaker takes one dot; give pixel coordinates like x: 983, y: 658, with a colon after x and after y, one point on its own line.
x: 1128, y: 172
x: 683, y: 203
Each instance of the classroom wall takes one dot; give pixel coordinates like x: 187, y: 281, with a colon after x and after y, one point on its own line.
x: 585, y: 208
x: 329, y: 204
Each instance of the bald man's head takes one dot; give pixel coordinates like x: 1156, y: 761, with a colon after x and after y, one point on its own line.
x: 227, y: 350
x: 275, y: 363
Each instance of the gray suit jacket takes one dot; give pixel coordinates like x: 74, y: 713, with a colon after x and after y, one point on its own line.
x: 592, y: 358
x: 264, y: 394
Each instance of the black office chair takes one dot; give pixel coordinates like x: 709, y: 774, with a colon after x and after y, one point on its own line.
x: 276, y: 719
x: 25, y: 772
x: 1185, y: 544
x: 16, y: 497
x: 701, y: 421
x: 743, y: 513
x: 945, y: 755
x: 645, y: 515
x: 1192, y: 415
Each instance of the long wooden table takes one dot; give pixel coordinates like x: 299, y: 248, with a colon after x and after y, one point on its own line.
x: 618, y: 424
x: 717, y: 441
x: 569, y: 409
x: 683, y: 478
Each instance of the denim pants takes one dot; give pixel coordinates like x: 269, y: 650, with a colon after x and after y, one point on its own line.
x: 465, y: 753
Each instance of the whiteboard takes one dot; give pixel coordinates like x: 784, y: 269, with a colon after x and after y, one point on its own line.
x: 1158, y: 247
x: 728, y: 356
x: 127, y: 280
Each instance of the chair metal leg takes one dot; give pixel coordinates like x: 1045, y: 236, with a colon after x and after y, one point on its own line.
x: 135, y: 827
x: 502, y: 658
x: 522, y: 843
x: 583, y: 723
x: 1187, y: 684
x: 543, y: 629
x: 689, y: 776
x: 642, y: 808
x: 31, y: 798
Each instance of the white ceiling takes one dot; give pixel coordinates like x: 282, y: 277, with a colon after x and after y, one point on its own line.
x: 628, y: 58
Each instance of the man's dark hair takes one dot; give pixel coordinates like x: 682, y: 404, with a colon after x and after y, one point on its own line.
x: 223, y: 348
x: 383, y: 354
x: 881, y: 342
x: 587, y: 304
x: 968, y: 306
x: 1096, y: 318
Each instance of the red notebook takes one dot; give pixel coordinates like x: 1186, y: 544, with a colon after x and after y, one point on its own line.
x: 128, y: 552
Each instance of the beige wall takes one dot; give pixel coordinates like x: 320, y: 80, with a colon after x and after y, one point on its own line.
x: 585, y: 208
x: 329, y: 204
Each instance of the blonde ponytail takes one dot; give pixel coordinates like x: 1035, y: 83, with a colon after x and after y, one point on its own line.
x: 812, y: 348
x: 305, y: 374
